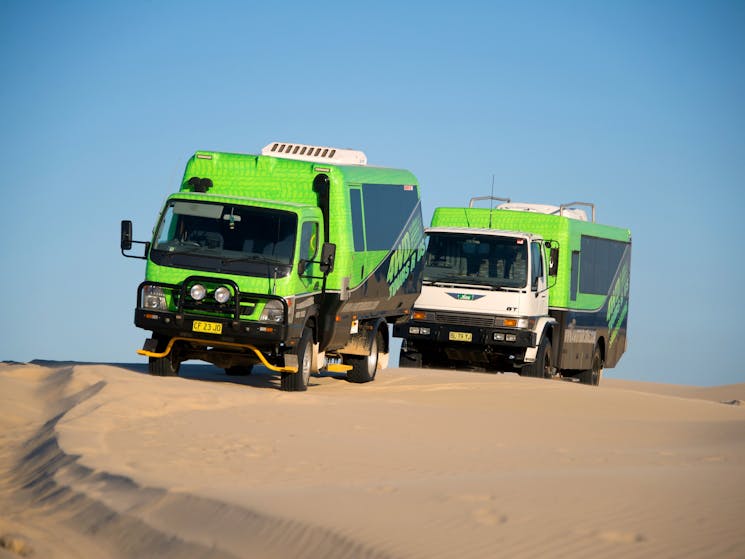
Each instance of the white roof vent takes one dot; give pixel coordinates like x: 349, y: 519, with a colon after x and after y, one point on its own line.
x: 319, y: 154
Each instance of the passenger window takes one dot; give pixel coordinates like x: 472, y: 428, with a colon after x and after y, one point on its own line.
x: 601, y: 259
x: 575, y: 276
x: 537, y: 258
x: 355, y: 200
x: 309, y: 240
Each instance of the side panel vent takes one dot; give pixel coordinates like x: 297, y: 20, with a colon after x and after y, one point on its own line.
x: 321, y: 154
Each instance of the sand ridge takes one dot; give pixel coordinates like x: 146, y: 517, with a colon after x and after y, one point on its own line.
x: 415, y: 464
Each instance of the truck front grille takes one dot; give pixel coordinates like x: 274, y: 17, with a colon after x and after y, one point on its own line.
x: 458, y: 319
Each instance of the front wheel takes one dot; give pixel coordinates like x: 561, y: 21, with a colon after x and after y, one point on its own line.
x: 542, y: 367
x: 167, y: 366
x: 298, y: 382
x: 411, y: 359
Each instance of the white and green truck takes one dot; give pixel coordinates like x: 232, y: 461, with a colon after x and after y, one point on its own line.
x: 297, y: 259
x: 530, y: 288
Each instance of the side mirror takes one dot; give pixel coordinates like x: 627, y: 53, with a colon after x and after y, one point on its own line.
x: 553, y: 261
x: 126, y: 237
x: 328, y: 253
x: 302, y: 265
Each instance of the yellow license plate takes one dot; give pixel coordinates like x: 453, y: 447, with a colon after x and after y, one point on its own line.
x: 207, y: 327
x: 460, y: 336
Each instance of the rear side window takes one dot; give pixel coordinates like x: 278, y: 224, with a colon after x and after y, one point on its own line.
x: 599, y: 262
x: 355, y: 200
x: 387, y: 209
x: 575, y: 275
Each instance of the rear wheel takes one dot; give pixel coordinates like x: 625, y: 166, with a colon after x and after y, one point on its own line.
x: 592, y: 376
x: 298, y: 382
x: 167, y: 366
x: 365, y: 367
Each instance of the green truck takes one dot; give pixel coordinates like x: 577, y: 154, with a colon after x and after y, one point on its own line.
x: 536, y: 289
x: 297, y: 259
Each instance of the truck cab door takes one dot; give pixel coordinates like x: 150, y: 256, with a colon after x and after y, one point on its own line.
x: 309, y: 253
x: 538, y: 275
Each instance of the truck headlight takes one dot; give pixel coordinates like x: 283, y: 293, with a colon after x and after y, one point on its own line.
x: 518, y: 323
x: 197, y: 292
x: 153, y: 297
x: 273, y: 311
x: 222, y: 294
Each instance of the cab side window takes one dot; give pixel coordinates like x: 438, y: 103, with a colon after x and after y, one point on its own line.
x: 536, y: 255
x: 309, y: 240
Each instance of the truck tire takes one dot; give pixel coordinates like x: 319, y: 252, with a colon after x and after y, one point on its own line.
x: 167, y: 366
x: 592, y: 376
x: 411, y: 359
x: 298, y: 382
x: 239, y: 370
x: 542, y: 366
x: 365, y: 367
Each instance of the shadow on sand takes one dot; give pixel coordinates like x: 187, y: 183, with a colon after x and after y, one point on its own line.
x: 260, y: 377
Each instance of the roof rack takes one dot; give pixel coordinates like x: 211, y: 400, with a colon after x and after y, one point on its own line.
x: 565, y: 210
x: 320, y: 154
x: 477, y: 198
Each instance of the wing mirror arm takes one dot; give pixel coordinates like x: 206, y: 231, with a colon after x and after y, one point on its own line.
x: 126, y: 242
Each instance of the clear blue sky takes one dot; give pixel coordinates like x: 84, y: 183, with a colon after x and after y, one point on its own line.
x: 636, y: 106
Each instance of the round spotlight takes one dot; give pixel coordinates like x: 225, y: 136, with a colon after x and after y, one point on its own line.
x: 222, y: 294
x: 197, y: 292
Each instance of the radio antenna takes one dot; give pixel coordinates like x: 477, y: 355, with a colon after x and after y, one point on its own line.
x: 491, y: 199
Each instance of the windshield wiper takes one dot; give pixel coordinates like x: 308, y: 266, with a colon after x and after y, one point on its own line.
x: 170, y: 252
x: 474, y: 283
x: 253, y: 258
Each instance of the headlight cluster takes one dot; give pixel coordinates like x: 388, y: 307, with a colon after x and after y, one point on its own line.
x: 198, y: 292
x: 516, y: 322
x: 154, y: 298
x: 273, y: 312
x: 501, y: 337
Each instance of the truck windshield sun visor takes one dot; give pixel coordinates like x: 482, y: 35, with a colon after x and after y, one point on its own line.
x: 478, y: 260
x: 245, y: 240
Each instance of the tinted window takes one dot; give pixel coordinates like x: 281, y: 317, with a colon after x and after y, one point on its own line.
x: 476, y: 260
x: 575, y: 276
x: 537, y: 257
x: 600, y: 260
x: 387, y: 209
x: 224, y: 237
x: 309, y: 240
x: 355, y: 200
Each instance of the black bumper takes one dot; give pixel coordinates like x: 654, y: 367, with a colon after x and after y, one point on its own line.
x: 464, y: 336
x: 168, y: 324
x: 221, y: 323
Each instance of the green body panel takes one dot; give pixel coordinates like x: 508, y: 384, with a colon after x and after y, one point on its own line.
x: 288, y: 184
x: 565, y: 231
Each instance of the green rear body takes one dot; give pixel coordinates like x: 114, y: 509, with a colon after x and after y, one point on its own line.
x: 589, y: 295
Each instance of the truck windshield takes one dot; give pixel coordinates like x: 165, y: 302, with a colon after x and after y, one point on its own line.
x: 225, y: 238
x: 486, y: 260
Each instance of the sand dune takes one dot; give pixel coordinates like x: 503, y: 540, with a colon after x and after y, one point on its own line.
x: 105, y: 461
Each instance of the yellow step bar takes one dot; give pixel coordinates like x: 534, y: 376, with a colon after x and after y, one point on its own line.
x: 256, y: 350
